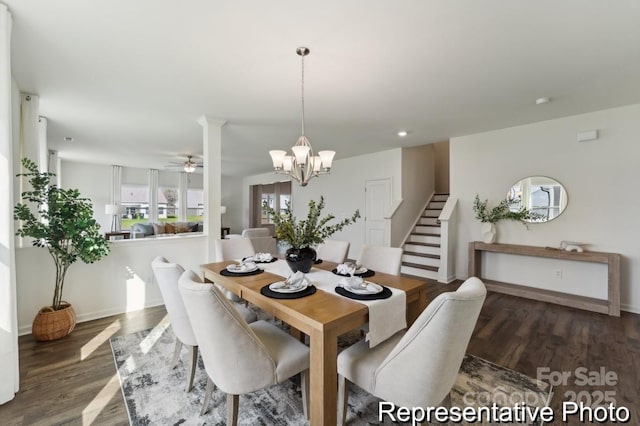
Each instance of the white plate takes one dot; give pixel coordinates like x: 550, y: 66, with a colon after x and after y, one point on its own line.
x: 371, y: 288
x: 278, y: 287
x: 361, y: 270
x: 241, y: 269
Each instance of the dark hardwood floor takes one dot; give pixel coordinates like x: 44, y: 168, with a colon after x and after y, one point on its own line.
x: 73, y: 380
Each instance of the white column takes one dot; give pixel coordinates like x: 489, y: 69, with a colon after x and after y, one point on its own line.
x: 43, y: 150
x: 9, y: 372
x: 116, y: 193
x: 30, y: 129
x: 53, y: 166
x: 153, y: 195
x: 212, y: 181
x: 183, y: 187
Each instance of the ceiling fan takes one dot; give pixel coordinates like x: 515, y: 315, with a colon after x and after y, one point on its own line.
x: 188, y: 166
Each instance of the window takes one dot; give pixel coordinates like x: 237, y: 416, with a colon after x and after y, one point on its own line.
x: 195, y: 204
x: 270, y: 200
x: 176, y: 197
x: 168, y: 210
x: 276, y: 195
x: 135, y: 203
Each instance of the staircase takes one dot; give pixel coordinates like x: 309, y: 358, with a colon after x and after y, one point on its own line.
x: 422, y: 249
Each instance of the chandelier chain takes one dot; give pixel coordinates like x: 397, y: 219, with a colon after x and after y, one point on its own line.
x: 302, y: 91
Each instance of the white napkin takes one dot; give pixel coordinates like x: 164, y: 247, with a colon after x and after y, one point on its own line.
x: 243, y: 267
x: 351, y: 283
x: 346, y: 269
x: 296, y: 280
x: 262, y: 257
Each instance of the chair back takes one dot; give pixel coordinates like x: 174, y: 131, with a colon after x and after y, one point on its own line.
x: 235, y: 248
x: 382, y: 259
x: 333, y: 250
x: 423, y: 366
x: 167, y: 275
x: 256, y: 232
x: 233, y: 356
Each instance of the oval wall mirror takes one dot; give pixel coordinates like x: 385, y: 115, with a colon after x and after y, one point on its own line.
x: 544, y: 196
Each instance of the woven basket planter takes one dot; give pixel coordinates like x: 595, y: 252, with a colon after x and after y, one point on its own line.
x: 52, y: 325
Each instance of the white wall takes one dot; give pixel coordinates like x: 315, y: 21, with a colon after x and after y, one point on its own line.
x: 94, y: 182
x: 601, y: 178
x: 121, y: 282
x: 441, y: 151
x: 418, y: 183
x: 232, y: 200
x: 343, y: 190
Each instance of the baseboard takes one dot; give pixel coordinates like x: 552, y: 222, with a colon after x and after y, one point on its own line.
x: 90, y: 316
x: 629, y: 308
x: 448, y: 280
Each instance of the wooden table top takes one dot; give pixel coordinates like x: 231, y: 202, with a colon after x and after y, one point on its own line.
x: 322, y: 310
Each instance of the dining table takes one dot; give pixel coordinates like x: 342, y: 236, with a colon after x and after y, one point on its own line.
x: 323, y: 316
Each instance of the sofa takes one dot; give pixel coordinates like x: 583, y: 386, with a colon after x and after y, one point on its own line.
x: 156, y: 229
x: 261, y: 239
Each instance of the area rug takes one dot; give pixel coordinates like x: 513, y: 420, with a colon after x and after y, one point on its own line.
x: 154, y: 391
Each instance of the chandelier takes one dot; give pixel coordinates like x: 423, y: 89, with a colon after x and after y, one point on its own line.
x: 303, y: 164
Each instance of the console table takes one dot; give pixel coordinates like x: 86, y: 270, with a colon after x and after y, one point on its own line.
x: 609, y: 306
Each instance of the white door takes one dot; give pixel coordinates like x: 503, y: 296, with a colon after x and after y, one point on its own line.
x: 377, y: 204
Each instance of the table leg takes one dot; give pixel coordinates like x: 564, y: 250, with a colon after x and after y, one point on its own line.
x: 415, y: 308
x: 297, y: 334
x: 324, y: 377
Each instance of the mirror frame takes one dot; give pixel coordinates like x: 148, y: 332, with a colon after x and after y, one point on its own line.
x: 562, y: 200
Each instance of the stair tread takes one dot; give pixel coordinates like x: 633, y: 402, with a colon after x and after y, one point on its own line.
x: 416, y: 277
x: 417, y: 243
x: 420, y: 266
x: 429, y: 255
x: 425, y: 234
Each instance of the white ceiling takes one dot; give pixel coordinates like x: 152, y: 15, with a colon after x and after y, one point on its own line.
x: 128, y: 79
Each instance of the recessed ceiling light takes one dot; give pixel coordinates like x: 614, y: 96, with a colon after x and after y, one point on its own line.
x: 544, y: 100
x: 402, y: 133
x: 68, y: 139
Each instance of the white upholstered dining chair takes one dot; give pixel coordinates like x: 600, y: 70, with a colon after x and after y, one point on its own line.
x: 416, y: 368
x: 382, y: 259
x: 232, y: 249
x: 167, y: 275
x: 238, y: 357
x: 235, y: 248
x: 333, y: 250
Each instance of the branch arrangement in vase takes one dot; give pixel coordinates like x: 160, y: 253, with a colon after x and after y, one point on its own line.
x: 502, y: 211
x: 308, y: 232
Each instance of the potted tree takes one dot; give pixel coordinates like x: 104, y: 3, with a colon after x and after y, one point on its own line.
x: 302, y: 236
x: 61, y: 221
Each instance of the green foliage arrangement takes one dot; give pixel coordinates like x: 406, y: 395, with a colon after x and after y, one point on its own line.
x: 501, y: 211
x: 310, y: 232
x: 62, y: 222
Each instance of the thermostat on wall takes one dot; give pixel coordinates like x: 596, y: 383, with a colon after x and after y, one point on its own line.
x: 587, y: 135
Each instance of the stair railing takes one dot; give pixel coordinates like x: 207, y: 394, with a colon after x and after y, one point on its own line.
x: 447, y: 219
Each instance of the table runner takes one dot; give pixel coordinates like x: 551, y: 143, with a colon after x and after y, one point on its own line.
x: 386, y: 316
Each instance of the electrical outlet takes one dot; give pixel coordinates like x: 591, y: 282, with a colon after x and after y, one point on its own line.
x: 557, y: 273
